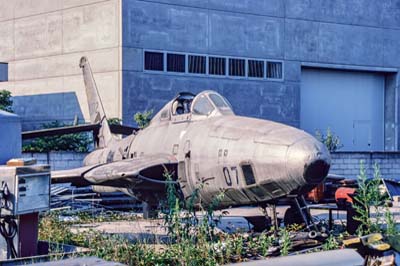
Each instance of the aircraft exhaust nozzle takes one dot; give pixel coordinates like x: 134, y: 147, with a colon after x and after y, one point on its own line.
x: 309, y: 159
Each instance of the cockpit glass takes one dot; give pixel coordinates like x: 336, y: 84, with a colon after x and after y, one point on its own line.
x: 219, y: 101
x: 202, y: 106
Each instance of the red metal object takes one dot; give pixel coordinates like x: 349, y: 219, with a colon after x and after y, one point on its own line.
x: 317, y: 194
x: 344, y: 194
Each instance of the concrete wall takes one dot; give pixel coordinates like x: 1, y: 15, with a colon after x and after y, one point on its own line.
x: 348, y: 163
x: 43, y: 40
x: 344, y: 33
x: 58, y: 160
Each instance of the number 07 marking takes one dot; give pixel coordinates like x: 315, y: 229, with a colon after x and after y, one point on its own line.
x: 227, y: 175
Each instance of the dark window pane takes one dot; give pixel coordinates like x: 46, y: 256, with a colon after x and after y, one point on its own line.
x: 248, y: 174
x: 216, y: 66
x: 237, y: 67
x: 256, y: 69
x: 153, y: 61
x: 175, y: 62
x: 3, y: 72
x: 274, y: 70
x: 197, y: 64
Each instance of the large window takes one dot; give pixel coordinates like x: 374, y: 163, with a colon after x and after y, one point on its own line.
x: 212, y: 65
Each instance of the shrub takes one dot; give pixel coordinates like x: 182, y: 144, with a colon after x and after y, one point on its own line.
x: 6, y: 101
x: 368, y: 196
x: 143, y: 119
x: 78, y: 142
x: 331, y: 141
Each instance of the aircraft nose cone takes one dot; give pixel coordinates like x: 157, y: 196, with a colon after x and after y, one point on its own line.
x: 310, y: 159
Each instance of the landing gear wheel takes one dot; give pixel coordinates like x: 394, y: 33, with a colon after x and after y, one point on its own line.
x: 292, y: 216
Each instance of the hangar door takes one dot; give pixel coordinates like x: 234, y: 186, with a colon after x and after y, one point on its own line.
x: 350, y: 103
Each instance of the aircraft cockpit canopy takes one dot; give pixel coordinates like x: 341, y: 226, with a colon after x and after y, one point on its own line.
x: 207, y: 101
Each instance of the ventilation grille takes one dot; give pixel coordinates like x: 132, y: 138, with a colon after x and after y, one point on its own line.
x: 154, y: 61
x: 274, y: 70
x: 197, y: 64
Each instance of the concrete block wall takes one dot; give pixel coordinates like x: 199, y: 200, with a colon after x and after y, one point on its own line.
x: 345, y: 33
x: 58, y: 160
x: 348, y: 163
x: 43, y: 40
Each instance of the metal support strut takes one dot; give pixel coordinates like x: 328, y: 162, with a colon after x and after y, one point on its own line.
x: 304, y: 211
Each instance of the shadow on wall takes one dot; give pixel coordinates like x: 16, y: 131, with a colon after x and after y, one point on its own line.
x: 38, y: 109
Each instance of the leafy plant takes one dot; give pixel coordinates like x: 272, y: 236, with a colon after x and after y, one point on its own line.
x: 331, y: 141
x: 6, y: 101
x: 284, y: 241
x: 330, y: 243
x: 143, y: 119
x: 78, y: 142
x: 368, y: 196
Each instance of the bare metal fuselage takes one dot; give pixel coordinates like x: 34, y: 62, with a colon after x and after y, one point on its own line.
x: 211, y: 153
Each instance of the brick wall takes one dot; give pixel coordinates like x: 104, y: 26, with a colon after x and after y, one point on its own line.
x: 58, y: 160
x: 348, y: 163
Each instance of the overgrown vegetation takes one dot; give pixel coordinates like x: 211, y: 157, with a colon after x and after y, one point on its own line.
x: 78, y: 142
x: 331, y: 141
x: 143, y: 119
x: 369, y: 199
x: 193, y: 240
x: 6, y: 101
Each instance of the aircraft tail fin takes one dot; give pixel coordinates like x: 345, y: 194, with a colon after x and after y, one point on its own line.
x: 96, y: 109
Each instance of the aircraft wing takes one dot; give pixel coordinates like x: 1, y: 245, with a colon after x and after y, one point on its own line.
x: 47, y: 132
x: 143, y: 167
x: 146, y: 168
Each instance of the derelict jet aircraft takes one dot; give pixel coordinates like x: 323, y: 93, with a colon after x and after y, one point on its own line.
x: 201, y: 142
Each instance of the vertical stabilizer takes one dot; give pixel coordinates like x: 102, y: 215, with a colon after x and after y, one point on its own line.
x: 96, y: 109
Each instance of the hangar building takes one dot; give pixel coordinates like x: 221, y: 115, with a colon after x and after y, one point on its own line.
x: 308, y: 63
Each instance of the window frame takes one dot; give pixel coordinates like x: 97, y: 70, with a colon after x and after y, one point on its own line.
x: 264, y: 68
x: 154, y: 71
x: 175, y: 72
x: 245, y: 67
x: 197, y: 74
x: 275, y: 61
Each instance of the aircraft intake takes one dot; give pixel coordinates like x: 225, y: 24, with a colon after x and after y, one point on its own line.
x: 316, y: 171
x: 308, y: 159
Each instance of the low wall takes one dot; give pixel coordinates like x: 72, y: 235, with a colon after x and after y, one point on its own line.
x: 348, y: 163
x: 58, y: 160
